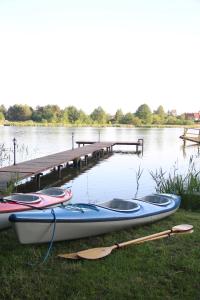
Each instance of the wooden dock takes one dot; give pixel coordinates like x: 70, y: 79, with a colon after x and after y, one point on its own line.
x: 139, y: 143
x: 191, y: 135
x: 36, y: 167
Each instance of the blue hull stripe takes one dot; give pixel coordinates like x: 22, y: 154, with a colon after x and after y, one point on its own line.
x: 91, y: 215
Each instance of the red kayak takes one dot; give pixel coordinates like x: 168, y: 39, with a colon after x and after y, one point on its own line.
x: 31, y: 201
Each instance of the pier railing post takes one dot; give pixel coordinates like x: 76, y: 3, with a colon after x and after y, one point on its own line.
x: 14, y: 146
x: 140, y: 143
x: 72, y: 140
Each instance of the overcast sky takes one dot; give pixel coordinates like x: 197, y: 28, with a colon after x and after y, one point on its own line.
x: 109, y: 53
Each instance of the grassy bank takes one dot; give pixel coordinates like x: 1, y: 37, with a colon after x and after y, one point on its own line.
x: 164, y: 269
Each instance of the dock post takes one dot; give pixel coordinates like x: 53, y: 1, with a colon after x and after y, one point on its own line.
x: 75, y: 163
x: 59, y: 171
x: 80, y: 164
x: 14, y: 144
x: 38, y: 180
x: 99, y: 135
x: 72, y: 140
x: 141, y: 143
x: 86, y: 160
x: 101, y: 153
x: 184, y: 135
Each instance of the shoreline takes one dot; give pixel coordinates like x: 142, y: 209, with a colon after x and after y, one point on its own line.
x: 33, y: 124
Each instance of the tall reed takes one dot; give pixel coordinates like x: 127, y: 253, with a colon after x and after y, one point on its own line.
x: 176, y: 183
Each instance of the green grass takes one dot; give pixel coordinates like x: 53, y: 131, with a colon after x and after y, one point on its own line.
x: 163, y: 269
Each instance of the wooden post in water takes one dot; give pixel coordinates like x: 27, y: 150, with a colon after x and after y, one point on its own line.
x: 14, y: 144
x: 141, y: 142
x: 59, y: 171
x: 38, y: 180
x: 99, y: 135
x: 72, y: 140
x: 184, y: 135
x: 86, y: 160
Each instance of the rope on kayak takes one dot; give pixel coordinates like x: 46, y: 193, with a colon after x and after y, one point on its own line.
x: 50, y: 243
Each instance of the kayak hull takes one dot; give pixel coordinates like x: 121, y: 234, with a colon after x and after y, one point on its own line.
x: 7, y: 208
x: 71, y: 223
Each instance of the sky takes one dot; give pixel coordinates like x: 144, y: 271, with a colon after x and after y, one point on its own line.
x: 109, y: 53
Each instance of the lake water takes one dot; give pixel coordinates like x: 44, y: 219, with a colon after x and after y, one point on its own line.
x: 112, y: 177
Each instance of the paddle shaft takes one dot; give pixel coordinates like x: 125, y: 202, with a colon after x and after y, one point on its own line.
x: 135, y: 241
x: 176, y: 229
x: 164, y: 236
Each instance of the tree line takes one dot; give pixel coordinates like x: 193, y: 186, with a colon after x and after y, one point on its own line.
x: 71, y: 115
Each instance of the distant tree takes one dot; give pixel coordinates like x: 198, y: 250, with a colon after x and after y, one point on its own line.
x: 99, y: 115
x: 157, y: 119
x: 83, y: 118
x: 144, y: 113
x: 128, y: 118
x: 160, y: 111
x: 73, y: 114
x: 2, y: 117
x: 19, y: 112
x: 3, y: 110
x: 171, y: 120
x: 49, y: 113
x: 137, y: 121
x: 161, y: 114
x: 118, y: 116
x: 64, y: 116
x: 37, y: 114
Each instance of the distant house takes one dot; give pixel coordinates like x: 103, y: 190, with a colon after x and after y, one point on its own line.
x: 193, y: 116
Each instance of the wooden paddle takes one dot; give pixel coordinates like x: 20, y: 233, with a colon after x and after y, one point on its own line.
x: 96, y: 253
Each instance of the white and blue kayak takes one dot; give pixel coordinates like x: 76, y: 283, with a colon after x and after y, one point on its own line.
x: 83, y: 220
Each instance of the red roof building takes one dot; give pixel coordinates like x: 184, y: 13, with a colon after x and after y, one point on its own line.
x: 192, y: 116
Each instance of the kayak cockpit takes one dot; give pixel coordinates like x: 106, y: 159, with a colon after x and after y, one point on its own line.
x: 157, y: 199
x: 121, y: 205
x: 22, y: 198
x: 53, y: 192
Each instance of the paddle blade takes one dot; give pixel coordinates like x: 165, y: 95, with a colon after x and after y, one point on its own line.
x: 69, y: 256
x: 95, y: 253
x: 182, y: 227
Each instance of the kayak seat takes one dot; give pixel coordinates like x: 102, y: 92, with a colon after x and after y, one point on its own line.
x: 22, y: 198
x: 121, y: 205
x: 53, y: 192
x: 157, y: 199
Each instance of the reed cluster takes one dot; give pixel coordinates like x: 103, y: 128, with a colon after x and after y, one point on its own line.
x: 186, y: 185
x: 176, y: 183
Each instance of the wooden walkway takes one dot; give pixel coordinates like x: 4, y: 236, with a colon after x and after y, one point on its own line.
x: 36, y: 167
